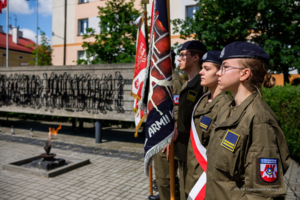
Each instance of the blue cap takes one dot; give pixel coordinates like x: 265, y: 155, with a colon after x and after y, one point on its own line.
x: 194, y: 44
x: 244, y: 50
x: 212, y: 56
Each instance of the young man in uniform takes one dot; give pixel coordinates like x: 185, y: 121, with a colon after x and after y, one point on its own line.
x: 190, y: 62
x: 161, y: 165
x: 191, y: 53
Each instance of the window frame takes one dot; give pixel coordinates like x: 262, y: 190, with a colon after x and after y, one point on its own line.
x: 81, y: 1
x: 80, y: 26
x: 186, y: 10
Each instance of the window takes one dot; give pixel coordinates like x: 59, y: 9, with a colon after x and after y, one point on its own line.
x: 81, y: 55
x: 20, y: 57
x: 83, y: 1
x: 83, y: 24
x: 190, y: 11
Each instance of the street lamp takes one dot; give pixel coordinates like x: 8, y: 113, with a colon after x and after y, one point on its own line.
x: 37, y: 28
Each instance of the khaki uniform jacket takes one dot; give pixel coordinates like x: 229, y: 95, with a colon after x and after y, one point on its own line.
x: 194, y: 170
x: 177, y: 84
x: 189, y: 96
x: 236, y: 174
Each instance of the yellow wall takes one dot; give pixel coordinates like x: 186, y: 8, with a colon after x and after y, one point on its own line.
x: 14, y: 58
x: 280, y: 79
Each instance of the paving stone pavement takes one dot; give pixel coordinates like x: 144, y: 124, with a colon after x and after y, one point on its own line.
x: 115, y: 172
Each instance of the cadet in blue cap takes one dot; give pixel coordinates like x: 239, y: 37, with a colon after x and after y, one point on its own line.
x: 204, y: 117
x: 247, y: 154
x: 161, y: 165
x: 189, y: 59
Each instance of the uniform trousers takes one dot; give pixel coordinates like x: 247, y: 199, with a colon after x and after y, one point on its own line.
x: 162, y: 175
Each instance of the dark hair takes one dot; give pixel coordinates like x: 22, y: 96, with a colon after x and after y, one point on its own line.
x: 217, y: 65
x: 200, y: 53
x: 259, y: 75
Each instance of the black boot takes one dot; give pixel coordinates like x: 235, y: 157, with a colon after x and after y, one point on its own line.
x: 153, y: 197
x: 155, y: 188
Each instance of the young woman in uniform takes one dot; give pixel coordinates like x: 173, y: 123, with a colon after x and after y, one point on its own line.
x: 247, y: 154
x: 204, y: 116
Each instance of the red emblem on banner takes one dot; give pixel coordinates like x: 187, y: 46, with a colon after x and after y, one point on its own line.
x: 268, y: 169
x: 136, y: 84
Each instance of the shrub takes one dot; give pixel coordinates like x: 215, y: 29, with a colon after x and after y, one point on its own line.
x: 285, y: 102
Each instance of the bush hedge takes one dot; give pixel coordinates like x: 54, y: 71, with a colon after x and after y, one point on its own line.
x: 285, y: 102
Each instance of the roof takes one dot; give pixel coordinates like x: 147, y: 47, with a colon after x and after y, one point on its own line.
x: 21, y: 46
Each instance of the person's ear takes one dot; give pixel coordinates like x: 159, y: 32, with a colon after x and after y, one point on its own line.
x: 245, y: 74
x: 196, y: 58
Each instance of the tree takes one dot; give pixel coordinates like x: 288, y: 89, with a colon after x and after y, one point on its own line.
x: 116, y: 42
x: 274, y: 25
x: 43, y: 51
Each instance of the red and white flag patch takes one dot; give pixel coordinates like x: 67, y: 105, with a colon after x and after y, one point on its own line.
x: 268, y: 169
x: 176, y: 99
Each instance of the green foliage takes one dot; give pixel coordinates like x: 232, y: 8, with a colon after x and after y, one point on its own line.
x: 285, y: 102
x: 274, y: 25
x: 116, y: 41
x: 44, y: 52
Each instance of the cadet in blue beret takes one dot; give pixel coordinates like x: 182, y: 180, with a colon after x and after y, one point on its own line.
x: 247, y: 154
x: 161, y: 165
x: 204, y: 116
x: 190, y: 55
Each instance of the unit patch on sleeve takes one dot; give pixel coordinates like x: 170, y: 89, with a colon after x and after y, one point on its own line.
x: 230, y: 140
x: 176, y: 99
x: 205, y: 122
x: 191, y: 95
x: 268, y: 169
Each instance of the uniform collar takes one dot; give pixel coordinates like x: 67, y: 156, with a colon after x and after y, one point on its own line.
x: 193, y: 82
x: 211, y: 104
x: 240, y: 111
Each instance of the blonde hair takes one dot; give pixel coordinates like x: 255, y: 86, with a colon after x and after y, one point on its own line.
x: 259, y: 75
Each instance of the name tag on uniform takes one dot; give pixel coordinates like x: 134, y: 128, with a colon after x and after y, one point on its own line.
x: 176, y: 99
x: 230, y: 140
x: 191, y: 95
x: 205, y: 122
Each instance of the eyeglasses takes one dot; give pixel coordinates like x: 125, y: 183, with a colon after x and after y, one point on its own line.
x: 182, y: 55
x: 224, y: 67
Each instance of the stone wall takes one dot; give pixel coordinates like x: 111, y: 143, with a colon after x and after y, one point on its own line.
x: 83, y: 91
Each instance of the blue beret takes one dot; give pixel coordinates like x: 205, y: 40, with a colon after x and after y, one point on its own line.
x: 212, y: 56
x: 244, y: 50
x: 194, y: 44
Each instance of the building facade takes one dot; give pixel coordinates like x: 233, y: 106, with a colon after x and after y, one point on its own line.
x: 82, y: 14
x: 19, y: 53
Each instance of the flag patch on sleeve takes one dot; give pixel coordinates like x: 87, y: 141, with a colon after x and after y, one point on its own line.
x: 205, y: 122
x: 230, y: 140
x: 191, y: 95
x: 176, y: 99
x: 268, y: 169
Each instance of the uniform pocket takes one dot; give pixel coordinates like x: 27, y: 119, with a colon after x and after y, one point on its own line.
x: 226, y: 160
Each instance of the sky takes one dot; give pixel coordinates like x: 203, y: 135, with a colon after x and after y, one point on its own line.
x: 22, y: 14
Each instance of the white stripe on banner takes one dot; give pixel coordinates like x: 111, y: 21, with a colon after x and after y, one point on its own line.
x: 198, y: 191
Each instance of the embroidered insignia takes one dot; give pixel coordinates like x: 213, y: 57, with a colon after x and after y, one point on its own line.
x: 204, y: 57
x: 268, y: 169
x: 222, y: 53
x: 230, y: 140
x: 204, y: 122
x: 176, y: 99
x: 191, y: 95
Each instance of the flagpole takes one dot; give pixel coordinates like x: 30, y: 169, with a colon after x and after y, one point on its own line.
x: 171, y: 150
x: 150, y: 180
x: 145, y: 2
x: 7, y: 10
